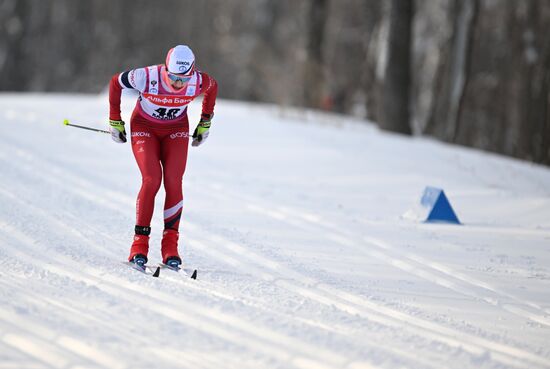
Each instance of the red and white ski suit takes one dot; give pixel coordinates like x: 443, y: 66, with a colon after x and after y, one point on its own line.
x: 160, y: 134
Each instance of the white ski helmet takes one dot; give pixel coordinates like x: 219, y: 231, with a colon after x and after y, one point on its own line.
x: 180, y: 60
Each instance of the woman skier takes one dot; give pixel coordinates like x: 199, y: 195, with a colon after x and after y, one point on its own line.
x: 160, y: 137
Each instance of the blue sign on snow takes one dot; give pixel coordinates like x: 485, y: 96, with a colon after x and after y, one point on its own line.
x: 440, y: 209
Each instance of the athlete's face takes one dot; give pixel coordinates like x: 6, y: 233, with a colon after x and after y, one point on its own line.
x: 178, y: 84
x: 178, y: 81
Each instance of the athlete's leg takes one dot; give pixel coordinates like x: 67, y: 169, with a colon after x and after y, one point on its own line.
x: 173, y: 153
x: 174, y: 149
x: 146, y: 149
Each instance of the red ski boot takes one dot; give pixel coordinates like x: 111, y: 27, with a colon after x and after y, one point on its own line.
x: 140, y: 248
x: 169, y: 248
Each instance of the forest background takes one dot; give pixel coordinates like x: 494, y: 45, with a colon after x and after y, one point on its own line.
x: 471, y: 72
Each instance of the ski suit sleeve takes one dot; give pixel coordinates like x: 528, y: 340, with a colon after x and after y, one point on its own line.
x: 132, y: 79
x: 209, y: 87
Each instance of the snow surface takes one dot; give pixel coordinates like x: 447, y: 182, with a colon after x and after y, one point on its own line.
x: 295, y: 222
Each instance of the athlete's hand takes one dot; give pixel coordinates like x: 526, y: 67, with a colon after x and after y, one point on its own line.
x: 118, y: 133
x: 201, y: 132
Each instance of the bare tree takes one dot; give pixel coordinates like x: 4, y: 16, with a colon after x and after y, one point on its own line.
x: 13, y: 16
x: 481, y: 75
x: 453, y: 70
x: 314, y: 66
x: 371, y: 47
x: 395, y: 110
x: 493, y: 89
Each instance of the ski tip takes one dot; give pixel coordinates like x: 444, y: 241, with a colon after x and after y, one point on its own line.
x: 66, y: 122
x: 157, y: 272
x: 194, y: 275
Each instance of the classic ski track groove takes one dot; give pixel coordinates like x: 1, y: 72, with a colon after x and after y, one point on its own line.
x: 328, y: 301
x: 23, y: 360
x: 260, y: 339
x: 425, y: 269
x: 112, y: 254
x: 382, y: 348
x: 143, y: 341
x: 438, y: 274
x: 401, y: 262
x: 352, y: 304
x: 391, y: 260
x: 59, y: 347
x: 169, y: 276
x: 386, y: 313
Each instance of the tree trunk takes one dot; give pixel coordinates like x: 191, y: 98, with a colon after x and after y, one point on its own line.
x: 314, y: 65
x: 453, y: 72
x: 504, y: 107
x: 374, y: 23
x: 13, y: 17
x: 395, y: 113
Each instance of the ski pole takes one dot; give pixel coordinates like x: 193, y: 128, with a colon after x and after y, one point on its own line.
x: 66, y: 122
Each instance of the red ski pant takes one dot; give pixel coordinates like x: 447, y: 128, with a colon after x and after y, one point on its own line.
x: 160, y: 150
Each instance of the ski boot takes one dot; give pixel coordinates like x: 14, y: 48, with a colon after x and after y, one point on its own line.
x: 173, y: 262
x: 140, y: 260
x: 169, y: 248
x: 140, y: 246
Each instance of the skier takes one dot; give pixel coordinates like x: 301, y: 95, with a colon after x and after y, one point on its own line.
x: 160, y: 137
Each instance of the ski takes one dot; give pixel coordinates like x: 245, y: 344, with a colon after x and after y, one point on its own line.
x: 178, y: 269
x: 145, y: 269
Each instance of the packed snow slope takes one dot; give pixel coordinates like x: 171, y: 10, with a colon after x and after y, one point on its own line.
x: 295, y: 223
